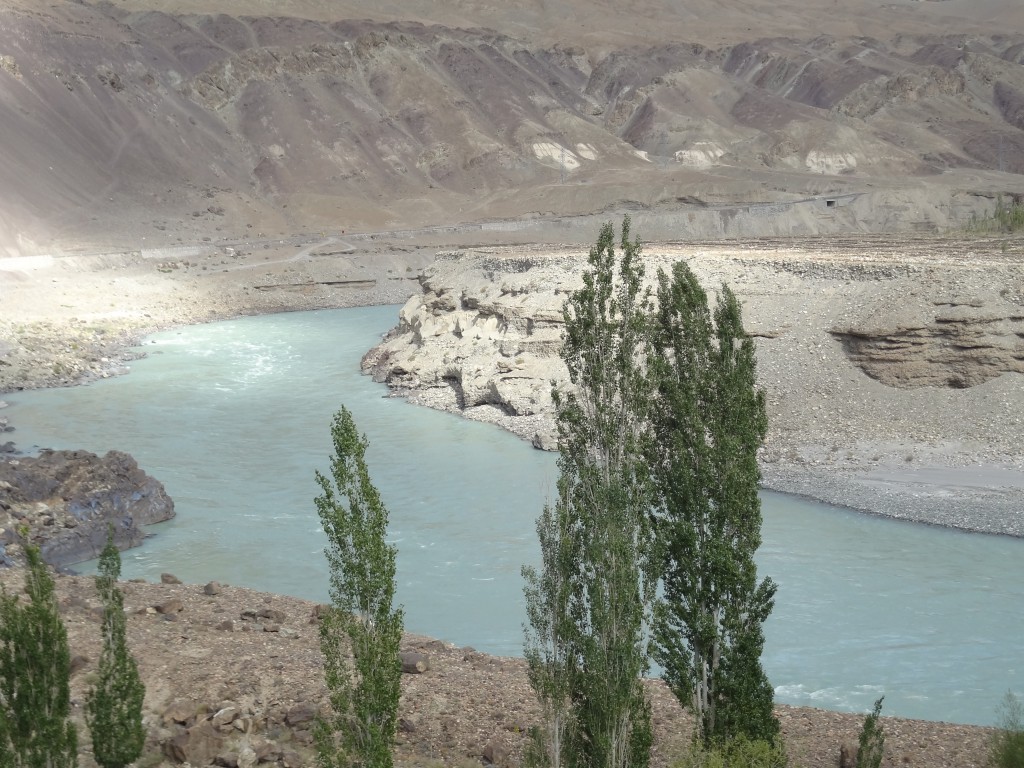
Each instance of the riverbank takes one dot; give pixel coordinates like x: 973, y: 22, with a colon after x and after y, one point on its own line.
x: 892, y: 366
x: 473, y: 699
x: 228, y: 669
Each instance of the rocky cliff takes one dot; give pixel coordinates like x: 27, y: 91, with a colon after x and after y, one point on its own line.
x: 64, y: 502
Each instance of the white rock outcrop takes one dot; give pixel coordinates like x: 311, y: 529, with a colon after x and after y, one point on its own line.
x: 483, y: 338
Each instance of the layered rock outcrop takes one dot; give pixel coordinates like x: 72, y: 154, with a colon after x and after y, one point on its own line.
x: 866, y: 347
x: 962, y: 345
x: 64, y: 502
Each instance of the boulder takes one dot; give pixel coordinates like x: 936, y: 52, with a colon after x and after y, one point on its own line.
x: 198, y: 745
x: 273, y: 614
x: 495, y: 753
x: 301, y: 715
x: 414, y: 663
x: 247, y: 758
x: 172, y: 606
x: 225, y: 716
x: 848, y: 755
x: 69, y: 499
x: 181, y: 711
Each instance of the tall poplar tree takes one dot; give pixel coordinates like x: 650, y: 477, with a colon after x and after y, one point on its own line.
x: 596, y: 584
x: 709, y: 421
x: 35, y: 669
x: 547, y: 648
x: 360, y: 636
x: 113, y: 709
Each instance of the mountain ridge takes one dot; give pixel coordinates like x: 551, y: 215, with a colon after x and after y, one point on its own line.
x: 136, y: 121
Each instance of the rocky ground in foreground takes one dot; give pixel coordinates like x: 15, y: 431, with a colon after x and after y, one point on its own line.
x: 233, y: 678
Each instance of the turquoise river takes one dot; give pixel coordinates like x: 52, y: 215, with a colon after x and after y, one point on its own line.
x: 233, y: 417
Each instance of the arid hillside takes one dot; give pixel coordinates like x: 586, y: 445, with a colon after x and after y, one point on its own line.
x: 136, y: 123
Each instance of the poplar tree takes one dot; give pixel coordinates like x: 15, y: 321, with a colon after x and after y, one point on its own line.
x: 113, y: 709
x: 35, y: 669
x: 360, y: 635
x: 546, y: 647
x: 709, y: 421
x: 589, y: 606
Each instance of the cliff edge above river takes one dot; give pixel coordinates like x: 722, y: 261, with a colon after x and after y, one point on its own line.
x: 892, y: 366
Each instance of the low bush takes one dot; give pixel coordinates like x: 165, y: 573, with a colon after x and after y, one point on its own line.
x: 738, y: 753
x: 871, y: 744
x: 1007, y: 218
x: 1008, y: 743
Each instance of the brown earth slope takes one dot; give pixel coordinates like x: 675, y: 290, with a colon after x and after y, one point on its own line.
x: 133, y: 124
x: 234, y: 677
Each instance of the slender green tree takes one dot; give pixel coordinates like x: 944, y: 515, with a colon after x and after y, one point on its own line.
x: 35, y: 669
x: 6, y: 750
x: 546, y: 646
x: 590, y: 604
x: 1007, y: 747
x: 871, y: 742
x: 113, y: 709
x: 360, y: 635
x: 709, y: 421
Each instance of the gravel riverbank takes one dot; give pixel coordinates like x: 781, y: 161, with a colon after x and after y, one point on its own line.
x: 893, y: 368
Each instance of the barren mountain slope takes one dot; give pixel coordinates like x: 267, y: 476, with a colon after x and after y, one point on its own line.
x: 612, y: 24
x: 128, y: 124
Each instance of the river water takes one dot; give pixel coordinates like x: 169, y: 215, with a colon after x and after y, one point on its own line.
x: 234, y: 418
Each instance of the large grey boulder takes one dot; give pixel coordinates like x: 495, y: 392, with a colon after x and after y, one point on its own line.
x: 66, y: 500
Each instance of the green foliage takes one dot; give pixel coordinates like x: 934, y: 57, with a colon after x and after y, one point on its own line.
x: 360, y: 635
x: 709, y: 421
x: 113, y: 709
x: 546, y: 645
x: 35, y: 667
x: 589, y: 605
x: 1007, y: 749
x: 1006, y: 219
x: 871, y: 744
x: 737, y: 753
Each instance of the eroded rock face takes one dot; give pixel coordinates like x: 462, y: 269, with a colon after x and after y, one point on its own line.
x: 963, y: 345
x: 67, y: 500
x: 483, y: 339
x: 862, y: 345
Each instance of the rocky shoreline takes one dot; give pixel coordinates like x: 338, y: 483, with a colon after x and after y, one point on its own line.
x: 233, y: 678
x: 66, y: 502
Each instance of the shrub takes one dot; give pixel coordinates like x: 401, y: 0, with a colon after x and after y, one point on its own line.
x: 1007, y: 218
x: 737, y: 753
x: 1008, y: 743
x: 871, y: 743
